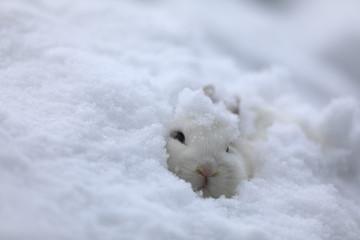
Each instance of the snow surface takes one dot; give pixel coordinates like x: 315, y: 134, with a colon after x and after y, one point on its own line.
x: 87, y: 89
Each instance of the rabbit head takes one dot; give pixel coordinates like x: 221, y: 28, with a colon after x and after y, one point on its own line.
x: 203, y: 146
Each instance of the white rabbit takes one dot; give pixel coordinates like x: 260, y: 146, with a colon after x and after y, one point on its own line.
x: 205, y: 147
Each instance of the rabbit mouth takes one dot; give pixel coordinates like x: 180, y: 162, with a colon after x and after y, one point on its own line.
x: 205, y: 179
x: 204, y: 184
x: 205, y: 188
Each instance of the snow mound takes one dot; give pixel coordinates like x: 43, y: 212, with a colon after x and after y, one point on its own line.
x: 199, y: 110
x: 88, y: 87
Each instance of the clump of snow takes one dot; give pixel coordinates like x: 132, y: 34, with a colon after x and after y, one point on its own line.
x: 199, y: 110
x: 87, y: 88
x: 197, y: 106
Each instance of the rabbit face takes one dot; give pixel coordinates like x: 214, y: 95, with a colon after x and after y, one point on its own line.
x: 206, y: 155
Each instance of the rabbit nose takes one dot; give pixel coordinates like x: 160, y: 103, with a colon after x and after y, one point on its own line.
x: 207, y: 169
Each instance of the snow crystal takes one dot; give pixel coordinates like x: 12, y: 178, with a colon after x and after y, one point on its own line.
x: 88, y: 87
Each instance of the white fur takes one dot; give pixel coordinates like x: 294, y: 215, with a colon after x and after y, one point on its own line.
x: 205, y: 150
x: 209, y: 130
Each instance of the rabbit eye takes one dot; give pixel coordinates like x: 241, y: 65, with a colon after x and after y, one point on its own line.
x: 178, y: 136
x: 227, y: 149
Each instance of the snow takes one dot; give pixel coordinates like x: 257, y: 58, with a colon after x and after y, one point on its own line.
x: 87, y: 89
x: 201, y: 112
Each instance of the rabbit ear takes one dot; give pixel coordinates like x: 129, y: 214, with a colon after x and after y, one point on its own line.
x: 209, y: 90
x: 233, y: 106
